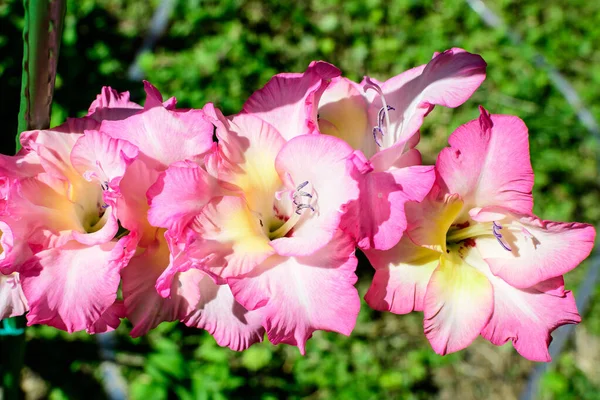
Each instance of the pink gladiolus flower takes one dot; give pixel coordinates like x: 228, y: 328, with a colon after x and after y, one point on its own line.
x: 272, y: 233
x: 475, y: 259
x: 382, y: 120
x: 61, y: 195
x: 179, y: 138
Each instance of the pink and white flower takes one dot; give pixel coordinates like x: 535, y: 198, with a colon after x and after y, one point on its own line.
x: 272, y: 233
x: 475, y: 259
x: 382, y: 121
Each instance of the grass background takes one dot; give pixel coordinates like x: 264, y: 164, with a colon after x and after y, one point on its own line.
x: 221, y: 51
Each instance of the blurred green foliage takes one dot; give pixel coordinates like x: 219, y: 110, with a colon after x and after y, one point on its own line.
x: 221, y: 51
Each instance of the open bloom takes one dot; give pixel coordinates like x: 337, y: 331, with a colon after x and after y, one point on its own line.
x: 166, y: 137
x: 272, y: 233
x: 62, y: 189
x: 382, y: 120
x: 475, y: 259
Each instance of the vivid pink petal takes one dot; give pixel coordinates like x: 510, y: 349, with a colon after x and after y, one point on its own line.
x: 12, y: 300
x: 179, y: 194
x: 144, y: 307
x: 155, y: 99
x: 53, y: 149
x: 449, y: 79
x: 429, y: 221
x: 324, y: 162
x: 72, y: 286
x: 488, y: 163
x: 401, y: 277
x: 110, y: 98
x: 163, y: 136
x: 383, y: 196
x: 132, y: 205
x: 458, y: 304
x: 299, y: 295
x: 110, y: 320
x: 224, y: 318
x: 15, y: 249
x: 289, y: 101
x: 526, y: 316
x: 540, y: 250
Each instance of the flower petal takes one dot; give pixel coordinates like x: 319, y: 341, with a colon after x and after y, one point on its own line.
x: 179, y: 194
x: 324, y: 162
x: 12, y: 300
x: 343, y: 113
x: 164, y: 136
x: 449, y: 79
x: 248, y: 147
x: 430, y: 220
x: 401, y: 277
x: 540, y: 250
x: 526, y: 316
x: 299, y: 295
x: 144, y: 307
x: 110, y: 320
x: 383, y: 196
x: 458, y: 304
x: 112, y: 105
x: 97, y: 156
x: 289, y: 101
x: 224, y: 318
x: 488, y: 163
x: 226, y: 239
x: 68, y: 292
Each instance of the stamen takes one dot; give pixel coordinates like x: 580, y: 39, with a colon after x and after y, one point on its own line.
x: 495, y: 230
x: 299, y: 193
x: 104, y: 185
x: 383, y: 112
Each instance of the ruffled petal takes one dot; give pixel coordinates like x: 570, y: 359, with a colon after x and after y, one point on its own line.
x: 144, y: 307
x: 458, y: 304
x: 539, y: 250
x: 164, y: 136
x: 248, y: 147
x: 72, y: 286
x: 112, y: 105
x: 449, y: 79
x: 299, y: 295
x: 110, y: 319
x: 227, y: 239
x: 324, y: 162
x: 98, y: 157
x: 488, y: 163
x: 224, y: 318
x: 12, y: 300
x: 289, y: 101
x: 526, y: 316
x: 401, y: 277
x: 179, y: 194
x: 383, y: 196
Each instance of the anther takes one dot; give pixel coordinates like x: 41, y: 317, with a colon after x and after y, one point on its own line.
x: 298, y: 194
x: 384, y: 112
x: 495, y: 230
x: 104, y: 185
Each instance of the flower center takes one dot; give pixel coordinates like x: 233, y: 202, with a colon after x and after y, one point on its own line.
x: 462, y: 232
x: 302, y: 199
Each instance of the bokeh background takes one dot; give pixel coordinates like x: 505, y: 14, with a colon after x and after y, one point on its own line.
x: 223, y: 50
